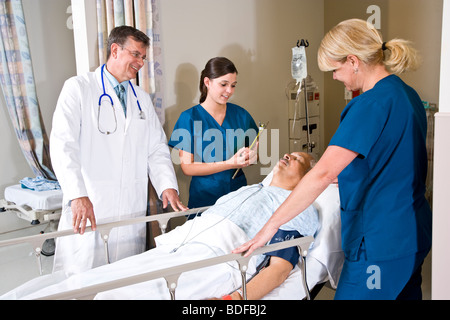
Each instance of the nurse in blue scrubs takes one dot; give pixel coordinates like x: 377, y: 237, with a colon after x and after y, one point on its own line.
x: 213, y: 137
x: 379, y: 155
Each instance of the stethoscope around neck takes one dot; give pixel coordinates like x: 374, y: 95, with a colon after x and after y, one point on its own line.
x: 105, y: 95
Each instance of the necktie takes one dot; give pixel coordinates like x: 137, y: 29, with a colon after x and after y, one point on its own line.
x: 120, y: 90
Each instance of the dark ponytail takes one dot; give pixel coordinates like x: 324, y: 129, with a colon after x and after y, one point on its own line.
x: 215, y: 68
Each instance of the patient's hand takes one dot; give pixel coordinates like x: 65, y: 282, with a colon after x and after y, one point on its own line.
x: 233, y: 296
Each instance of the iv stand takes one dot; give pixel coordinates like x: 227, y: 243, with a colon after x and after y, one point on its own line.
x: 309, y: 144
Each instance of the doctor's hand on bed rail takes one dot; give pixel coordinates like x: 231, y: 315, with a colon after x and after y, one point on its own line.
x: 171, y: 195
x: 82, y: 210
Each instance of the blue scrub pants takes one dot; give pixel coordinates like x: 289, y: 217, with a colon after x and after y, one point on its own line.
x: 399, y: 279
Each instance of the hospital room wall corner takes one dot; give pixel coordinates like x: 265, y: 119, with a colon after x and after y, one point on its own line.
x: 440, y: 282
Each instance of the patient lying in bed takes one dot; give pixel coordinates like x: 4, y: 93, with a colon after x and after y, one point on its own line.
x: 233, y: 220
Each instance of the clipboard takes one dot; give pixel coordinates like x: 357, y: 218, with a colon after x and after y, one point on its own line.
x: 261, y: 128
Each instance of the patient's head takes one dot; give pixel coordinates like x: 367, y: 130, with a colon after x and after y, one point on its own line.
x: 291, y: 169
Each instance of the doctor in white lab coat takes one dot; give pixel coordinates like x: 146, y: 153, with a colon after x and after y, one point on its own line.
x: 103, y: 156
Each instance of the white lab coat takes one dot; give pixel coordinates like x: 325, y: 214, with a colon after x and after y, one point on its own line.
x: 112, y: 170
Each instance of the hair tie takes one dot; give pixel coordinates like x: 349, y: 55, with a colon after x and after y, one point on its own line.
x: 383, y: 47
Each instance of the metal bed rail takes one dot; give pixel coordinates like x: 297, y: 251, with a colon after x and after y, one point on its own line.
x: 37, y: 241
x: 172, y: 274
x: 27, y: 213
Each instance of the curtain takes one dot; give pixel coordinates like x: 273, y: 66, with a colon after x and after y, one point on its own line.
x: 143, y: 15
x: 18, y: 87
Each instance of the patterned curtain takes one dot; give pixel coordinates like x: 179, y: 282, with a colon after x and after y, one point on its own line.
x: 17, y: 83
x: 143, y: 15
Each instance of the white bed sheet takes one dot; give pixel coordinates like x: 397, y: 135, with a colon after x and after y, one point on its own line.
x: 37, y: 200
x: 204, y: 283
x: 324, y: 262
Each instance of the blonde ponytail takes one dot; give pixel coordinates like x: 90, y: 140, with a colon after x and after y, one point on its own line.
x: 401, y: 56
x: 360, y: 38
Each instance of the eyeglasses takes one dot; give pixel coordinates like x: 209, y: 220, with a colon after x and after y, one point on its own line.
x: 136, y: 54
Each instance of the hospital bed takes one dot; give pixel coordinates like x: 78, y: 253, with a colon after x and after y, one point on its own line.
x: 35, y: 207
x: 323, y: 260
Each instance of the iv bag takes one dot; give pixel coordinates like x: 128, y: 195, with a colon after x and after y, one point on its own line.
x: 298, y: 65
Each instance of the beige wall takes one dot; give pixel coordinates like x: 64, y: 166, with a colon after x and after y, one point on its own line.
x: 257, y: 35
x: 335, y: 12
x: 416, y: 20
x: 420, y: 22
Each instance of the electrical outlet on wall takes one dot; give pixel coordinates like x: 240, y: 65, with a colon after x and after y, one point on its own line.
x: 348, y: 95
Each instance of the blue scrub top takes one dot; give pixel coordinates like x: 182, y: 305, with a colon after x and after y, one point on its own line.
x: 382, y: 190
x: 197, y: 132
